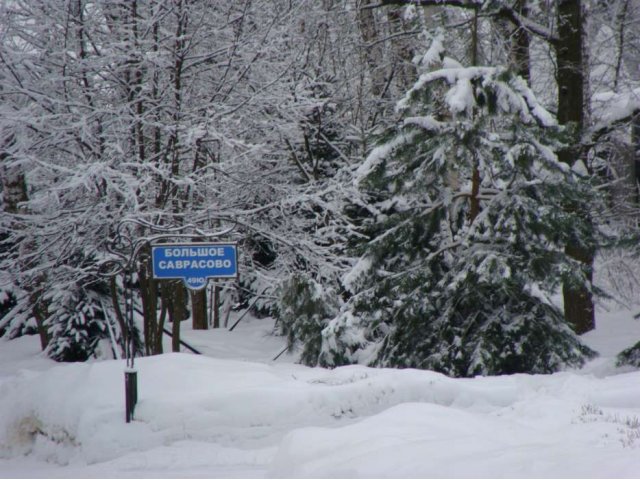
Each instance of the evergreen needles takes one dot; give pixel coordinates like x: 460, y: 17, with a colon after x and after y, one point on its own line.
x: 469, y: 215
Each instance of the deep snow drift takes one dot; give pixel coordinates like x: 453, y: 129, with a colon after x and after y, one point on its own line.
x: 242, y: 415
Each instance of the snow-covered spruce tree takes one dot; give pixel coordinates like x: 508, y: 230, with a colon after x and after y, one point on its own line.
x: 629, y: 356
x: 304, y: 308
x: 469, y: 214
x: 77, y: 323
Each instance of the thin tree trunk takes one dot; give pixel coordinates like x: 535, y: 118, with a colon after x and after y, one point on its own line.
x: 14, y: 187
x: 231, y: 298
x: 14, y: 195
x: 175, y: 332
x: 173, y: 294
x: 124, y: 331
x: 474, y: 46
x: 635, y: 142
x: 216, y: 305
x: 199, y: 309
x: 520, y: 43
x: 372, y: 49
x: 403, y: 67
x: 474, y: 207
x: 570, y: 69
x: 149, y: 297
x: 40, y: 312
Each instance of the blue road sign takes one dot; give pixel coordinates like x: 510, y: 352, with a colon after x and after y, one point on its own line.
x: 195, y: 263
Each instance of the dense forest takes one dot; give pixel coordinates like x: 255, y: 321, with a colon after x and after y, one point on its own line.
x: 409, y: 183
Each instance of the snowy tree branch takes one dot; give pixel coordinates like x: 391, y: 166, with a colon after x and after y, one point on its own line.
x: 504, y: 12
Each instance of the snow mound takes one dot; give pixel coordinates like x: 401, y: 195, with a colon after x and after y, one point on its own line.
x: 203, y: 417
x: 288, y: 420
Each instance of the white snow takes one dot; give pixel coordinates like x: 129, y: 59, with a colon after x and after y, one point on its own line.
x: 378, y: 154
x: 351, y: 279
x: 427, y: 122
x: 434, y: 54
x: 460, y: 97
x: 234, y: 413
x: 610, y: 107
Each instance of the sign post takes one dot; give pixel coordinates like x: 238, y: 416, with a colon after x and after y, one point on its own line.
x: 195, y: 263
x: 130, y: 392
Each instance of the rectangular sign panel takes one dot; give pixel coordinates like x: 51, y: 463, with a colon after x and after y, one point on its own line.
x: 195, y: 263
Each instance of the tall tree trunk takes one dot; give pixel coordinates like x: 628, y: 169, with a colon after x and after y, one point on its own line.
x: 199, y: 309
x: 40, y: 310
x: 578, y: 302
x: 517, y: 40
x: 403, y: 49
x: 14, y: 194
x: 181, y: 311
x: 570, y: 71
x: 216, y: 305
x: 175, y: 330
x: 124, y: 331
x: 635, y: 142
x: 174, y: 296
x: 149, y: 297
x: 624, y: 189
x: 372, y: 49
x: 14, y: 186
x: 520, y: 43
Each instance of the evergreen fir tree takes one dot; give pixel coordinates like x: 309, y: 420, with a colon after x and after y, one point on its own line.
x: 7, y: 303
x: 469, y: 214
x: 77, y: 323
x: 629, y: 356
x: 304, y: 308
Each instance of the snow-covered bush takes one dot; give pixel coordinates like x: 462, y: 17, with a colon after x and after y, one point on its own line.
x: 77, y: 323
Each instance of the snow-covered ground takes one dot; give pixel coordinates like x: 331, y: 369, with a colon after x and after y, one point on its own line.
x: 233, y: 412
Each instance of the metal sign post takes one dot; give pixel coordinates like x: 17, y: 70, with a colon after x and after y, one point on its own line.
x: 130, y: 373
x: 130, y: 393
x: 195, y: 263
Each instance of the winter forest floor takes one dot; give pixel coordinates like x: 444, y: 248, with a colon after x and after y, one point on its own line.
x: 233, y: 412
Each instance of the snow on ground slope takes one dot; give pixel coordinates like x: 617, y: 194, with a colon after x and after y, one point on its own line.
x: 241, y: 415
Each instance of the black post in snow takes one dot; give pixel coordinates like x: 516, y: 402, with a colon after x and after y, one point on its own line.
x: 130, y: 373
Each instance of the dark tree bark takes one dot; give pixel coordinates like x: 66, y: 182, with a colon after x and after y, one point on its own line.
x: 40, y: 310
x: 199, y: 309
x: 149, y: 296
x: 520, y: 43
x: 216, y: 306
x: 118, y: 311
x: 14, y: 194
x: 372, y: 49
x: 635, y: 141
x: 518, y: 40
x: 578, y: 302
x: 14, y: 187
x: 570, y: 69
x: 174, y: 298
x: 403, y: 68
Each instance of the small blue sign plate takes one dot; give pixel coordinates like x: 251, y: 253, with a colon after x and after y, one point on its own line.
x: 195, y: 263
